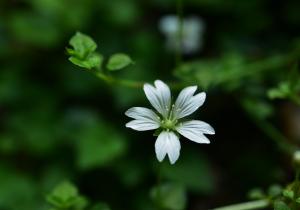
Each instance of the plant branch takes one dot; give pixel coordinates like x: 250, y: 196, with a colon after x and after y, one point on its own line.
x: 258, y: 204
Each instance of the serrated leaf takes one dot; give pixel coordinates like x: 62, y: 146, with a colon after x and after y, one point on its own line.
x: 118, y: 61
x: 83, y: 45
x: 169, y: 196
x: 280, y: 205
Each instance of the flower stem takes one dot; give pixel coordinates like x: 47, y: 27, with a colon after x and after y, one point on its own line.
x: 258, y: 204
x: 178, y: 57
x: 122, y: 82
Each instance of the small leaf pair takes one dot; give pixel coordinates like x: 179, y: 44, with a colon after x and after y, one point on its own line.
x: 83, y: 53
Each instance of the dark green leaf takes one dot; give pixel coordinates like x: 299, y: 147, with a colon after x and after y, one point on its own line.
x: 169, y: 196
x: 98, y: 144
x: 274, y: 190
x: 192, y: 171
x: 280, y: 205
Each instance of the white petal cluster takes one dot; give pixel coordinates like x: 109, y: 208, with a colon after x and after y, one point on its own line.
x: 168, y: 119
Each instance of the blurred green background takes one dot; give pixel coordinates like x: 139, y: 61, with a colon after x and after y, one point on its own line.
x: 58, y: 122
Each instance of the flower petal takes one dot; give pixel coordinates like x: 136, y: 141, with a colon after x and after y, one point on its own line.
x: 145, y: 119
x: 159, y: 96
x: 142, y: 125
x: 141, y: 113
x: 186, y: 103
x: 194, y: 131
x: 167, y: 143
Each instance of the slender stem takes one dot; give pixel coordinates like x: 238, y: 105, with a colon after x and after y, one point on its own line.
x: 180, y: 32
x: 258, y: 204
x: 159, y: 187
x: 123, y: 82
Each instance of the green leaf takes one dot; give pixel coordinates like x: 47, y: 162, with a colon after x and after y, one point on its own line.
x: 118, y: 61
x: 82, y: 44
x: 288, y: 194
x: 298, y: 200
x: 280, y: 205
x: 100, y: 206
x: 256, y: 193
x: 282, y: 91
x: 192, y: 171
x: 92, y: 61
x: 65, y: 195
x: 98, y: 144
x: 275, y: 190
x: 83, y: 52
x: 169, y: 196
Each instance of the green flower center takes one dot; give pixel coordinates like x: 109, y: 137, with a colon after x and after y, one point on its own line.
x: 168, y: 124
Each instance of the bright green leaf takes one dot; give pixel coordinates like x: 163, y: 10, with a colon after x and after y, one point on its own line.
x: 83, y: 52
x: 65, y: 195
x: 288, y: 194
x: 92, y: 61
x: 83, y: 45
x: 118, y: 61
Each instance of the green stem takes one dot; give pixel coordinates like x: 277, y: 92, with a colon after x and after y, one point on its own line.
x: 258, y: 204
x: 180, y: 32
x: 123, y: 82
x: 159, y: 187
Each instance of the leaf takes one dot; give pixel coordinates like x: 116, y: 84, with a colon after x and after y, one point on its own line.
x: 275, y: 190
x: 65, y: 195
x: 118, y: 61
x: 83, y: 52
x: 169, y: 196
x: 280, y: 205
x: 98, y: 144
x: 83, y: 45
x: 256, y: 193
x: 288, y: 194
x: 192, y: 171
x: 92, y: 61
x: 282, y: 91
x: 100, y: 206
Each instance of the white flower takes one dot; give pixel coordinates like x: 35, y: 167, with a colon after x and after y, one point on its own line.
x: 193, y: 29
x: 168, y: 119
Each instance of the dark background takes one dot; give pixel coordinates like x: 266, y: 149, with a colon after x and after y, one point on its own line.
x: 59, y: 122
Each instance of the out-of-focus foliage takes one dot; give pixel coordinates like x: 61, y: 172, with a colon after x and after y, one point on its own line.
x: 61, y: 123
